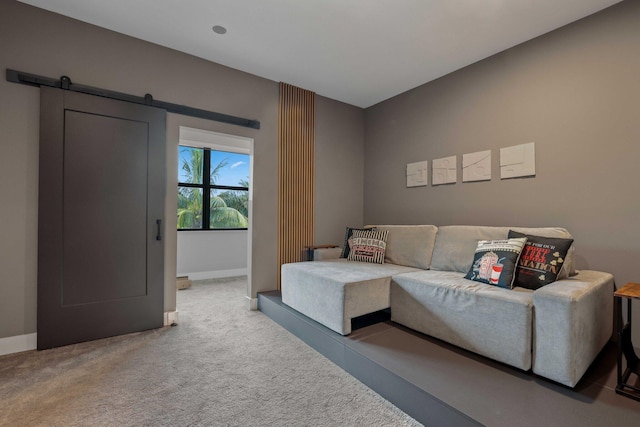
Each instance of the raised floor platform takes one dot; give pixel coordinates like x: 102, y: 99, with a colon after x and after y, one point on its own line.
x: 442, y: 385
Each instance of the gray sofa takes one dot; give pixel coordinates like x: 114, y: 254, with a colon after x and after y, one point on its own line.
x: 556, y: 330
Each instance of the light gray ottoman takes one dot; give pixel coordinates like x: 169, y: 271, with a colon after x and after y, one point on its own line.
x: 333, y: 292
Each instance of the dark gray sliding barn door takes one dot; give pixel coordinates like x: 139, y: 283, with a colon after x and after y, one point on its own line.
x: 101, y: 207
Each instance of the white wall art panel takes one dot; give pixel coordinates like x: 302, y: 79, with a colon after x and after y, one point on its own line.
x: 518, y: 161
x: 417, y: 174
x: 445, y: 171
x: 476, y: 166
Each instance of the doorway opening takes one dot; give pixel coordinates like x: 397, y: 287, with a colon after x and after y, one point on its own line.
x: 214, y: 204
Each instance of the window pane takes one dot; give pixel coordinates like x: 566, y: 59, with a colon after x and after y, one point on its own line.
x: 229, y: 169
x: 190, y: 161
x: 229, y: 209
x: 189, y: 207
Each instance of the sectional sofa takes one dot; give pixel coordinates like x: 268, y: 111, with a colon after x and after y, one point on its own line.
x: 556, y: 330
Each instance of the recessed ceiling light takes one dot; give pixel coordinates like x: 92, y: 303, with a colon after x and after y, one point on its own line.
x: 219, y: 29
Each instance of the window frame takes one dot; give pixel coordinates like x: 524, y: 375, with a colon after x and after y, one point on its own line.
x: 206, y: 188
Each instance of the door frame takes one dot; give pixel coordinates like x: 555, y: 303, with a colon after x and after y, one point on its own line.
x: 174, y: 122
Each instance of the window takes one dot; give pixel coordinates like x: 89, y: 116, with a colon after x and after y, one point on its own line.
x: 217, y: 199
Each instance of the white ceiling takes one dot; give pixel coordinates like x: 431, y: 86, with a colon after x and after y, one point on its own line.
x: 357, y: 51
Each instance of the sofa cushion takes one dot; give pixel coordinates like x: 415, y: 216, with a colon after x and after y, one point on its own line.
x: 541, y: 260
x: 410, y: 245
x: 485, y: 319
x: 456, y: 244
x: 495, y: 261
x: 368, y: 246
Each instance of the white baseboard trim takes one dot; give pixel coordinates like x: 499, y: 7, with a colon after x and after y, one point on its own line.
x: 216, y: 274
x: 252, y: 303
x: 18, y: 343
x: 170, y: 317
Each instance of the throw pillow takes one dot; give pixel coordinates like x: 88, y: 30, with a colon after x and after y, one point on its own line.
x: 368, y: 246
x: 347, y: 235
x: 495, y: 261
x: 541, y: 260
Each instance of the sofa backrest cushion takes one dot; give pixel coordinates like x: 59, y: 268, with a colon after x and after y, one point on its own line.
x: 456, y: 244
x: 410, y: 245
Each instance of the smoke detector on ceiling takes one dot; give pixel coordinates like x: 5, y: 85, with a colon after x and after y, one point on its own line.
x: 219, y: 29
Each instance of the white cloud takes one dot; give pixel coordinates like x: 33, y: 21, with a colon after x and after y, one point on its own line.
x: 236, y: 164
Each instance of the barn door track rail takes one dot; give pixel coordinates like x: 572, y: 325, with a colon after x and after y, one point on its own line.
x: 66, y: 84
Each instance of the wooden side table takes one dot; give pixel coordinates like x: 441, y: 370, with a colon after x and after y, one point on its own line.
x: 630, y: 291
x: 310, y: 250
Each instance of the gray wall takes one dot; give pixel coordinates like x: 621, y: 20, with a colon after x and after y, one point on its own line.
x: 212, y: 254
x: 44, y: 43
x: 574, y: 92
x: 339, y: 170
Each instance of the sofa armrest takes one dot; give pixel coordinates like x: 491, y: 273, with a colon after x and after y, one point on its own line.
x: 573, y: 322
x: 326, y: 253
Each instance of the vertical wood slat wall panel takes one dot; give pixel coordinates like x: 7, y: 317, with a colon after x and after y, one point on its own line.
x: 296, y: 172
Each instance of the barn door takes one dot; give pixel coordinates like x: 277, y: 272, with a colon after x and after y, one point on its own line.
x: 101, y: 207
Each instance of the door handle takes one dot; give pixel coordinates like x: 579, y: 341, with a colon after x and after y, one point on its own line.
x: 159, y: 229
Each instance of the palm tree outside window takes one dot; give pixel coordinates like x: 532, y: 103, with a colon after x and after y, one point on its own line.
x: 217, y: 200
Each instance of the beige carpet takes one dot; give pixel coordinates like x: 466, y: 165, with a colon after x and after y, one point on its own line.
x: 221, y: 366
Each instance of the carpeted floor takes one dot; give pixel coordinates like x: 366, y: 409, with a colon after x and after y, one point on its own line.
x: 221, y: 366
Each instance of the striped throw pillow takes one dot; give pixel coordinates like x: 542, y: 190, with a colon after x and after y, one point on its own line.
x: 368, y: 246
x: 347, y: 237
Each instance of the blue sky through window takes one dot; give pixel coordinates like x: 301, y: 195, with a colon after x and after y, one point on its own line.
x: 237, y: 167
x: 235, y: 170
